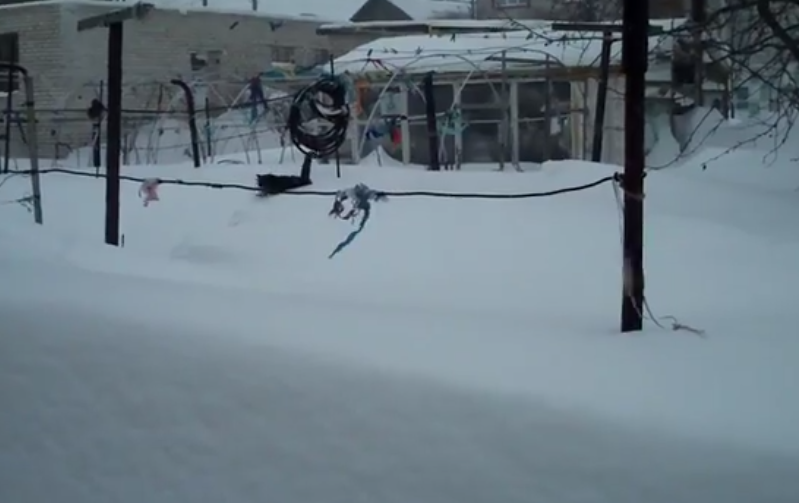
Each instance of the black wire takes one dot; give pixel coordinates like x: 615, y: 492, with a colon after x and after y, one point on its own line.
x: 319, y: 117
x: 447, y: 195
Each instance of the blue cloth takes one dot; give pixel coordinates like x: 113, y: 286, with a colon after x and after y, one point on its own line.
x: 361, y: 198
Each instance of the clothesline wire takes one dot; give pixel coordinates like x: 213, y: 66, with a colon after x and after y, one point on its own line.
x: 616, y: 177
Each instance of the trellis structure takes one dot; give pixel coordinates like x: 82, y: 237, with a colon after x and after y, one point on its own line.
x: 500, y: 97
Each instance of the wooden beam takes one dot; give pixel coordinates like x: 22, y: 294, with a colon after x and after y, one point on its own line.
x: 532, y: 60
x: 420, y: 28
x: 137, y: 11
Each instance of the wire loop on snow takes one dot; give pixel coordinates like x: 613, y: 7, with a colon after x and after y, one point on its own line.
x: 319, y: 117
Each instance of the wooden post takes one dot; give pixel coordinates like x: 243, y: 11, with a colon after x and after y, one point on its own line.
x: 547, y: 112
x: 7, y: 123
x: 635, y: 31
x: 432, y: 121
x: 113, y: 148
x: 332, y: 64
x: 601, y: 98
x: 405, y: 127
x: 635, y: 55
x: 114, y: 21
x: 515, y: 137
x: 209, y: 148
x: 457, y: 138
x: 504, y: 126
x: 97, y: 113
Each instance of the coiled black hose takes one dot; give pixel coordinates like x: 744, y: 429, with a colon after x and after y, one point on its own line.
x: 319, y: 117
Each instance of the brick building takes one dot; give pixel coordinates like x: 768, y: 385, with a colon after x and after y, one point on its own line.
x: 69, y: 67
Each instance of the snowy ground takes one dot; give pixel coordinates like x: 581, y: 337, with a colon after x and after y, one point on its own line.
x: 459, y: 351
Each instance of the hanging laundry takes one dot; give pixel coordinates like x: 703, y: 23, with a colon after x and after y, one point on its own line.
x: 396, y: 136
x: 386, y: 127
x: 148, y: 191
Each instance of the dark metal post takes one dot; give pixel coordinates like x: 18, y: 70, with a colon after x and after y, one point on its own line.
x: 208, y: 128
x: 547, y: 129
x: 114, y: 134
x: 432, y: 121
x: 634, y: 62
x: 192, y: 111
x: 504, y: 127
x: 97, y: 130
x: 7, y: 124
x: 601, y: 98
x: 338, y: 156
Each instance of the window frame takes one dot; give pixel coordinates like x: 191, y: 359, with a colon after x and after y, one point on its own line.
x: 511, y: 4
x: 9, y: 44
x: 279, y: 51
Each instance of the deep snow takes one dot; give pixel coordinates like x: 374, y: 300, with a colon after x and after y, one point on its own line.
x: 98, y: 408
x: 458, y: 351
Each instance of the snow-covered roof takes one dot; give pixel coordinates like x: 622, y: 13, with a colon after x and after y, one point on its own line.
x: 319, y: 10
x: 435, y: 26
x: 322, y: 11
x: 480, y: 51
x: 430, y: 9
x: 430, y: 26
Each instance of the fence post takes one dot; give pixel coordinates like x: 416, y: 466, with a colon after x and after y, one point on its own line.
x: 7, y: 137
x: 208, y: 138
x: 432, y: 121
x: 192, y: 110
x: 601, y: 98
x: 332, y: 65
x: 96, y: 114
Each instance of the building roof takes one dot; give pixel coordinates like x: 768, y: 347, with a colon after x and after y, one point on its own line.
x: 321, y: 10
x: 330, y: 11
x: 431, y: 9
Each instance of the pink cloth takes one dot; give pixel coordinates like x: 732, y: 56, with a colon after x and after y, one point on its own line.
x: 149, y: 191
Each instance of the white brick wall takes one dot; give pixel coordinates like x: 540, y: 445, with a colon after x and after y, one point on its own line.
x: 40, y: 52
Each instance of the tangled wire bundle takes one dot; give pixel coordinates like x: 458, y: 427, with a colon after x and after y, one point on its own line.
x: 319, y: 117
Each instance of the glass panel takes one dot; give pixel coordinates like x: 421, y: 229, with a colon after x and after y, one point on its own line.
x: 481, y: 143
x: 536, y: 144
x: 416, y: 104
x: 482, y: 102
